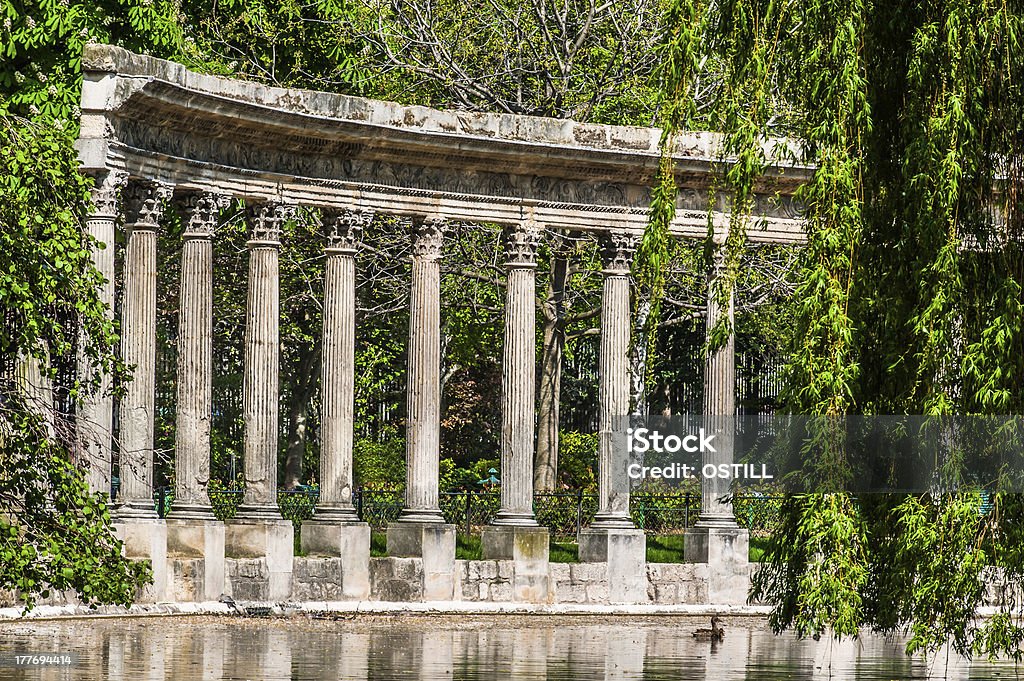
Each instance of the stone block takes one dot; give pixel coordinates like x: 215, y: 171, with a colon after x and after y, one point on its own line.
x: 522, y: 555
x: 396, y: 579
x: 268, y: 541
x: 199, y: 547
x: 501, y: 592
x: 725, y: 550
x: 350, y: 543
x: 146, y: 539
x: 434, y: 543
x: 624, y: 551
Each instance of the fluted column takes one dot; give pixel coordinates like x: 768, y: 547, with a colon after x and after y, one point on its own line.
x: 518, y: 378
x: 423, y: 430
x: 613, y: 382
x: 260, y: 378
x: 338, y: 373
x: 719, y: 398
x: 195, y: 358
x: 144, y: 205
x: 94, y: 418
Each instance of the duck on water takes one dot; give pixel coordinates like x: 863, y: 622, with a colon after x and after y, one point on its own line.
x: 715, y: 633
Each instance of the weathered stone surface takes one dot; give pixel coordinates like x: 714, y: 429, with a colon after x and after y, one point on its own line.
x: 435, y: 545
x: 396, y: 579
x: 268, y: 543
x: 725, y: 551
x: 349, y: 543
x: 623, y: 551
x: 195, y: 555
x: 146, y: 539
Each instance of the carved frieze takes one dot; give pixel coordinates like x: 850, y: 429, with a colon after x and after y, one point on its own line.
x: 144, y: 203
x: 267, y: 219
x: 345, y: 228
x: 521, y: 245
x: 617, y: 250
x: 417, y: 172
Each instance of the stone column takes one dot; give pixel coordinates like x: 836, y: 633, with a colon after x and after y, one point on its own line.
x: 719, y: 398
x: 338, y: 372
x: 518, y: 378
x: 136, y: 523
x: 716, y: 539
x: 195, y: 538
x: 94, y: 418
x: 144, y: 206
x: 195, y: 358
x: 260, y: 399
x: 335, y: 530
x: 423, y: 388
x: 613, y: 382
x: 421, y: 530
x: 258, y: 532
x: 515, y: 534
x: 613, y: 538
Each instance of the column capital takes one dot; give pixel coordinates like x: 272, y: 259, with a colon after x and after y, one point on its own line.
x: 106, y: 192
x: 144, y: 203
x: 201, y: 212
x: 521, y: 244
x: 617, y: 250
x: 345, y: 229
x: 428, y: 237
x: 266, y: 220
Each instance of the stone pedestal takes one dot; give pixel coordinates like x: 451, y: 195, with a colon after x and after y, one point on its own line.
x: 349, y: 541
x: 434, y: 543
x: 195, y: 560
x: 527, y: 548
x: 726, y: 551
x: 625, y: 552
x: 146, y: 539
x: 268, y: 547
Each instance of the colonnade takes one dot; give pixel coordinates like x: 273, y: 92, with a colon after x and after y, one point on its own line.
x: 141, y: 203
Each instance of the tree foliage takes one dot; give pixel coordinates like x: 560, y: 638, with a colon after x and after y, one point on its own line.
x: 54, y: 533
x: 908, y: 293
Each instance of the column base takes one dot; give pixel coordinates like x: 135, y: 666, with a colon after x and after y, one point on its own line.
x: 527, y: 548
x: 625, y: 552
x: 348, y: 541
x: 146, y: 539
x: 136, y: 509
x: 261, y: 554
x: 195, y: 559
x: 726, y: 551
x: 434, y: 543
x: 185, y: 511
x: 263, y: 512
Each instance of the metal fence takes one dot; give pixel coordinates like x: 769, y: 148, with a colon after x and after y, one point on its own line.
x: 563, y: 513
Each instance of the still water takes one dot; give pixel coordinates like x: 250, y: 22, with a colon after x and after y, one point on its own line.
x: 429, y: 648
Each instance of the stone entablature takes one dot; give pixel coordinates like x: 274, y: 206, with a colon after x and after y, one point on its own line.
x: 156, y: 120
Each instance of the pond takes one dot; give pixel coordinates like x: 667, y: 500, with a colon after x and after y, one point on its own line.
x: 428, y: 648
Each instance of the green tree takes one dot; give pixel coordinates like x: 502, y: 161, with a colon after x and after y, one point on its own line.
x: 54, y: 533
x: 908, y: 288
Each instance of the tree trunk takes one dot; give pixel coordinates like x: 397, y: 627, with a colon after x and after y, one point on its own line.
x: 545, y: 472
x: 296, y: 452
x: 304, y: 382
x: 638, y: 362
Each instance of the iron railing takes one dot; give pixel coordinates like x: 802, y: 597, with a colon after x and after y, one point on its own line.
x: 563, y: 513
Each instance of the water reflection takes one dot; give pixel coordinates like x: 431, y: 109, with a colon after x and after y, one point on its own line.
x: 440, y: 647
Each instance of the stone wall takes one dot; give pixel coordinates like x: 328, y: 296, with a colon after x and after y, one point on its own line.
x: 491, y: 581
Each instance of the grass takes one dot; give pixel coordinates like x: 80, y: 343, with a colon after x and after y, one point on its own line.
x: 665, y: 548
